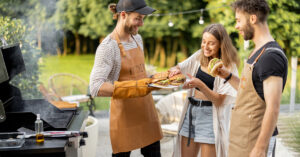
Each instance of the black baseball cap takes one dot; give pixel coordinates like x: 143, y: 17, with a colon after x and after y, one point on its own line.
x: 138, y: 6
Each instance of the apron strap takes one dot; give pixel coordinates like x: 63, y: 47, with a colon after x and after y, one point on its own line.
x: 136, y: 42
x: 256, y: 59
x: 116, y: 36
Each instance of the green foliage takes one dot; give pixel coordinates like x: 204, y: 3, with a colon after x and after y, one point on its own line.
x: 286, y: 29
x: 90, y: 18
x: 96, y: 20
x: 37, y: 15
x: 158, y: 26
x: 50, y: 65
x: 67, y: 15
x: 14, y: 8
x: 283, y: 21
x: 14, y: 31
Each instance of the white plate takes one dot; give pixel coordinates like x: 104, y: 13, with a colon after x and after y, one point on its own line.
x: 165, y: 87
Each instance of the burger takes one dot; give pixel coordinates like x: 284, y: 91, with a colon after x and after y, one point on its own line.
x: 161, y: 79
x: 161, y: 75
x: 213, y: 66
x: 177, y: 80
x: 164, y: 82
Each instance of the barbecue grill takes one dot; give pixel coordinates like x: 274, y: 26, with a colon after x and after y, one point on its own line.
x: 19, y: 112
x: 16, y: 113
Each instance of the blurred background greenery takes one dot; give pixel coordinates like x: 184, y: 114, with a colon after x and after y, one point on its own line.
x: 62, y: 35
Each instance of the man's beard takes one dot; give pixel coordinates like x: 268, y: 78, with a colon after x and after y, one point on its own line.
x: 248, y: 31
x: 129, y: 29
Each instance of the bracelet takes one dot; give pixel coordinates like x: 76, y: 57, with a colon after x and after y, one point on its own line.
x: 228, y: 78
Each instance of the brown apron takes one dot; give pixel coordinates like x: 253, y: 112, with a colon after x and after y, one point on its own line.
x: 133, y: 122
x: 247, y: 115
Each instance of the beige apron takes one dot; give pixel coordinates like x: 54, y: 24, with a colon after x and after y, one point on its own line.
x: 247, y: 115
x: 133, y: 122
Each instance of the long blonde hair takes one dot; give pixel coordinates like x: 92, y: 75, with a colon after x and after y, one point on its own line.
x: 227, y: 52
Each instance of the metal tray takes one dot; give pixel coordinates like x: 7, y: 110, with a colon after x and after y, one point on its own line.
x: 163, y: 87
x: 12, y: 140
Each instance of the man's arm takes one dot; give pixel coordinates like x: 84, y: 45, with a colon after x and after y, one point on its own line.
x: 106, y: 90
x: 272, y: 93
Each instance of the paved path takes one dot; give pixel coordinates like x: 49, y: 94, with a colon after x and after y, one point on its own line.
x: 104, y: 147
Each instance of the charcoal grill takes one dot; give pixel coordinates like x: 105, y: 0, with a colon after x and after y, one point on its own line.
x: 19, y: 112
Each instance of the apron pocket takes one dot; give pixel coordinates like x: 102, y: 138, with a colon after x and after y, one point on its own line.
x: 239, y: 129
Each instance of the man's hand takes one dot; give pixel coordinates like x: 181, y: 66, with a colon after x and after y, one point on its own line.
x: 132, y: 88
x: 223, y: 72
x: 257, y: 152
x: 234, y: 80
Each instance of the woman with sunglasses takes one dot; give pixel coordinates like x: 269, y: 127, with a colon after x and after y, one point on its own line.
x: 205, y: 119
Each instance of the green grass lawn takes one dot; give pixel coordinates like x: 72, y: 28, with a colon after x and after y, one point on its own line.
x: 78, y: 65
x: 82, y: 66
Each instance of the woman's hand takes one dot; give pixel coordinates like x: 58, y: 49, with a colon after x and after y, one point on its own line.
x: 174, y: 71
x: 192, y: 82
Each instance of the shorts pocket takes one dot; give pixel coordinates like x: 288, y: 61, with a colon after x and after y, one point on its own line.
x: 239, y: 129
x: 207, y: 110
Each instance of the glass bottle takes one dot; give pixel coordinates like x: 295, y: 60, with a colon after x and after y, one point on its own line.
x: 39, y: 137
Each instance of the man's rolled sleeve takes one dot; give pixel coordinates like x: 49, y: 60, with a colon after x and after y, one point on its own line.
x: 102, y: 67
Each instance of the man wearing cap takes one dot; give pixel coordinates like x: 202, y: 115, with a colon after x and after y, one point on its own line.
x: 119, y: 72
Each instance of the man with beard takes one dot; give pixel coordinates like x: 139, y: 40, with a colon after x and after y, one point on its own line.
x: 119, y: 72
x: 254, y: 116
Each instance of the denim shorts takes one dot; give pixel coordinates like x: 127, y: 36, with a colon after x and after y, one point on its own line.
x: 202, y: 125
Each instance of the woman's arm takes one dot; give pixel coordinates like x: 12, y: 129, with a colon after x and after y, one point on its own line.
x: 215, y: 98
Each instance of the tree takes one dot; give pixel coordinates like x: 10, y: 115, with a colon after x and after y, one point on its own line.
x: 67, y: 17
x: 283, y: 22
x: 286, y: 29
x: 176, y: 42
x: 96, y: 18
x: 36, y: 14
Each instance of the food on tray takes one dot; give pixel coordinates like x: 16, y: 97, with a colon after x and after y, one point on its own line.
x: 162, y: 79
x: 177, y: 80
x: 161, y: 75
x: 213, y: 66
x: 162, y: 82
